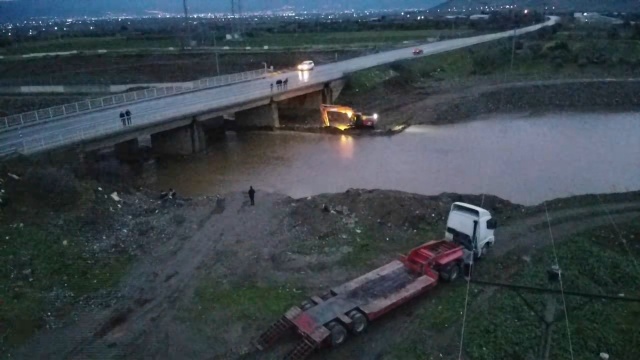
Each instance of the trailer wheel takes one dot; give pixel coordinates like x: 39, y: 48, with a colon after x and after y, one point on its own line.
x: 306, y: 305
x: 338, y: 333
x: 450, y: 272
x: 359, y: 321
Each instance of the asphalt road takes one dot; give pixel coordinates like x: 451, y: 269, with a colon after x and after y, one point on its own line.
x: 74, y: 128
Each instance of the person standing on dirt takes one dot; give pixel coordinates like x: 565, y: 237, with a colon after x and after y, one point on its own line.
x: 128, y: 113
x: 252, y: 194
x: 467, y: 253
x: 122, y: 118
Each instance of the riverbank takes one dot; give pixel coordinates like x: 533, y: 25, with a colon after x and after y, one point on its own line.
x: 211, y: 273
x: 449, y: 103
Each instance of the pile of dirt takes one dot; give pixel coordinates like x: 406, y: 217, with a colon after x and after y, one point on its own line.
x: 391, y: 209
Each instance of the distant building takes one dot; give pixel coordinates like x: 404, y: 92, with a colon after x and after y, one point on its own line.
x: 479, y: 17
x: 596, y: 18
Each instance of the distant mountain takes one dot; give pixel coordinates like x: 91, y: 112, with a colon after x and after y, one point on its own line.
x: 11, y: 10
x: 559, y: 5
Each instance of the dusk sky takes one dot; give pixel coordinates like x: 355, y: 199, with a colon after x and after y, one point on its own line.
x: 13, y: 9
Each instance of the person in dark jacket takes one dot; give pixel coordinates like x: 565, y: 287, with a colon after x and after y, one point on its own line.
x: 467, y: 253
x: 252, y: 194
x: 128, y: 113
x: 122, y: 118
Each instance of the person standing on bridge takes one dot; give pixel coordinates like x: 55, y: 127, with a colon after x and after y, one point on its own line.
x: 128, y: 113
x: 252, y: 194
x: 124, y: 121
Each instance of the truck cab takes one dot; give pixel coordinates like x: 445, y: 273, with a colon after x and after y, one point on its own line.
x: 474, y: 223
x: 361, y: 121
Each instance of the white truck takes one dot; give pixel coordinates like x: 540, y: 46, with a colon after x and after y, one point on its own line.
x: 474, y: 222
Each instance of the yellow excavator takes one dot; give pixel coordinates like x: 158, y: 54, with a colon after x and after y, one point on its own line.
x: 356, y: 120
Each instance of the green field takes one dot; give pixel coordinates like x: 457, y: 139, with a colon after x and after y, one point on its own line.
x: 503, y: 327
x: 349, y: 38
x: 286, y: 40
x: 545, y: 57
x: 48, y: 267
x: 88, y: 44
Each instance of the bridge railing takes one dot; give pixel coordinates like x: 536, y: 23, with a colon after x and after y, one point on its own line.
x: 55, y: 112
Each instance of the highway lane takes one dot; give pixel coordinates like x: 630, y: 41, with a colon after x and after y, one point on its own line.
x: 106, y: 121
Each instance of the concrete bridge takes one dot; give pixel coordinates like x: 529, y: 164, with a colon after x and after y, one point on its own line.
x: 177, y: 122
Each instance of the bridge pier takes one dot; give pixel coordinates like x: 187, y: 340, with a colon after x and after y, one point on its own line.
x: 184, y: 140
x: 127, y: 150
x: 265, y: 116
x: 333, y: 90
x: 304, y: 109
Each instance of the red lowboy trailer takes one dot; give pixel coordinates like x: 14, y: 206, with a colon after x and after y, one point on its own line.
x: 324, y: 321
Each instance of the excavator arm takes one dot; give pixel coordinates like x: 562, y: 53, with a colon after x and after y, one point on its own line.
x: 325, y: 109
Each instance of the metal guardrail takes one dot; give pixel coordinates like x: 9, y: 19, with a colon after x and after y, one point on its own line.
x: 44, y: 115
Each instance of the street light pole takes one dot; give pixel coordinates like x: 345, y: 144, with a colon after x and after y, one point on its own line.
x: 215, y: 49
x: 186, y: 19
x: 513, y: 42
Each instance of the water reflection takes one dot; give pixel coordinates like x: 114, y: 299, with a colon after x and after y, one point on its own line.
x: 346, y: 146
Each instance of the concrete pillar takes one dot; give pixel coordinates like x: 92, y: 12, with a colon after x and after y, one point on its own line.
x: 265, y: 116
x: 127, y: 150
x: 327, y: 95
x: 185, y: 140
x: 303, y: 110
x: 336, y: 87
x: 214, y: 128
x: 307, y: 101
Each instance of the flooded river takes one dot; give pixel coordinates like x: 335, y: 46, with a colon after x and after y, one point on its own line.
x: 526, y: 159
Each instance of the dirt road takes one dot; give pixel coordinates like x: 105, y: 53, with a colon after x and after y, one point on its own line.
x: 273, y: 242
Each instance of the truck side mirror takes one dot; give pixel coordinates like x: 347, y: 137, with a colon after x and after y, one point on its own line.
x: 492, y: 224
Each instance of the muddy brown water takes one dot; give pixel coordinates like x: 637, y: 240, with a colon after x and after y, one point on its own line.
x: 524, y: 158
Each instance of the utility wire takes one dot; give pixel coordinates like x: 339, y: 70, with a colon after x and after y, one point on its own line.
x: 542, y: 290
x: 624, y: 242
x: 564, y: 303
x: 466, y: 298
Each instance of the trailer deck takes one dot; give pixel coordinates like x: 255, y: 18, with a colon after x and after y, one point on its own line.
x: 373, y: 293
x: 370, y: 295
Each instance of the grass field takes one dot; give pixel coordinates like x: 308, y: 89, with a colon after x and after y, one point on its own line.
x: 45, y: 271
x: 348, y: 38
x: 88, y: 44
x: 288, y: 40
x: 504, y: 327
x: 533, y: 59
x: 49, y: 263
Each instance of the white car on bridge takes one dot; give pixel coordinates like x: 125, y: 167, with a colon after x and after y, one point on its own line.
x: 306, y: 65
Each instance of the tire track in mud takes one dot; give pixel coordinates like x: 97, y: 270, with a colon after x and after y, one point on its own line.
x: 144, y: 321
